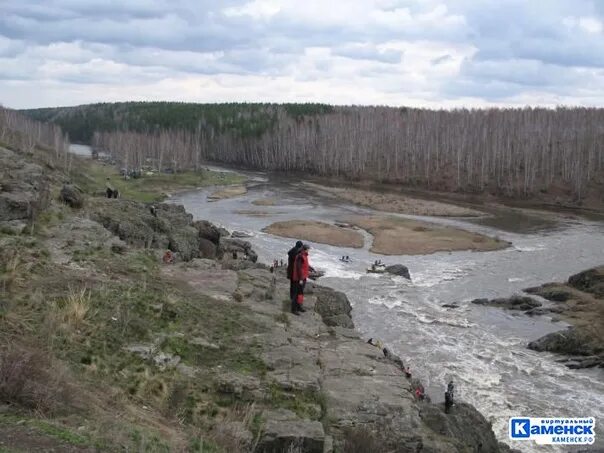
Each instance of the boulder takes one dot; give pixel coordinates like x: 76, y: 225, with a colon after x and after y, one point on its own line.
x: 242, y: 248
x: 208, y: 231
x: 185, y: 242
x: 571, y: 341
x: 285, y: 431
x: 550, y: 292
x: 400, y: 270
x: 590, y: 281
x: 587, y: 362
x: 240, y: 234
x: 464, y: 425
x: 23, y: 188
x: 207, y: 249
x: 72, y: 196
x: 334, y: 307
x: 224, y: 232
x: 511, y: 303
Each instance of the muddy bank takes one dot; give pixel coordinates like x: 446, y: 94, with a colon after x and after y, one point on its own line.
x: 394, y: 202
x: 264, y: 202
x: 228, y: 192
x: 314, y: 231
x: 398, y: 236
x: 591, y: 206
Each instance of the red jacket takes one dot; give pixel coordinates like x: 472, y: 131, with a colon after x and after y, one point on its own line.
x: 301, y: 267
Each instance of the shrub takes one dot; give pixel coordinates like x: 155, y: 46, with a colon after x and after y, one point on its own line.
x: 28, y: 379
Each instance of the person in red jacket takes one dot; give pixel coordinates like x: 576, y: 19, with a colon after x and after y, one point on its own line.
x: 300, y: 272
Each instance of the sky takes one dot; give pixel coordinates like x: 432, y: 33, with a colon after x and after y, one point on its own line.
x: 427, y: 53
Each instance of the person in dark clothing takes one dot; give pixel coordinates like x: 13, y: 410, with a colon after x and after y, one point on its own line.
x: 394, y: 359
x: 300, y: 274
x: 291, y: 256
x: 448, y: 402
x: 451, y: 388
x: 449, y: 397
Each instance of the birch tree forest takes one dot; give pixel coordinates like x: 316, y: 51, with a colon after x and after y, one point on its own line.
x: 513, y: 152
x: 20, y: 132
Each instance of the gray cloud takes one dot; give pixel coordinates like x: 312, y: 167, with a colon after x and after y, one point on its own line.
x: 494, y: 51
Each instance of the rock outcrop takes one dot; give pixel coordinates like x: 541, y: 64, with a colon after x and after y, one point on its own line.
x: 230, y: 246
x: 580, y: 302
x: 590, y: 281
x: 72, y: 196
x: 24, y: 188
x: 285, y: 431
x: 454, y: 425
x: 168, y: 227
x: 521, y: 303
x: 334, y: 307
x: 400, y: 270
x: 571, y: 341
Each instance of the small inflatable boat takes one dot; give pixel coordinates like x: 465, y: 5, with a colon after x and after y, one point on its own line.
x: 376, y: 269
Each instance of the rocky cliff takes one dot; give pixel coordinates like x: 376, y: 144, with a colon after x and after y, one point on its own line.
x: 201, y: 352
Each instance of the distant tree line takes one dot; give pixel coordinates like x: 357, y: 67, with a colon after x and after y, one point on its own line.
x: 506, y: 151
x: 23, y: 133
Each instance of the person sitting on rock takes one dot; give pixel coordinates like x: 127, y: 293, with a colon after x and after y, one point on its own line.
x: 300, y: 274
x: 168, y: 257
x: 376, y: 343
x: 153, y: 210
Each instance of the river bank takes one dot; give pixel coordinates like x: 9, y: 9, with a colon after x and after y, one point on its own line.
x: 201, y: 355
x: 407, y: 199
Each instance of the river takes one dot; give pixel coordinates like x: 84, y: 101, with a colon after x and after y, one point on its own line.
x: 482, y: 349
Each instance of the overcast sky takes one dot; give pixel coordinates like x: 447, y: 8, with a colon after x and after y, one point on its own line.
x: 397, y: 52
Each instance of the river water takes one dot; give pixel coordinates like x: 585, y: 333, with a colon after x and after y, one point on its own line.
x: 482, y: 349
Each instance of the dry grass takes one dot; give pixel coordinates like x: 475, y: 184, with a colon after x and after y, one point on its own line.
x: 314, y: 231
x: 71, y: 312
x: 395, y: 202
x: 232, y: 434
x: 398, y: 236
x: 264, y: 202
x: 29, y: 379
x: 13, y: 271
x: 228, y: 192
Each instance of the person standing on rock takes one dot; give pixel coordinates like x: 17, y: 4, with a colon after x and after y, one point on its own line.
x: 109, y: 188
x: 291, y: 257
x: 299, y: 276
x: 449, y: 397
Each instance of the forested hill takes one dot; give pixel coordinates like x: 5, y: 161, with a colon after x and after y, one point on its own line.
x: 242, y: 119
x: 552, y: 153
